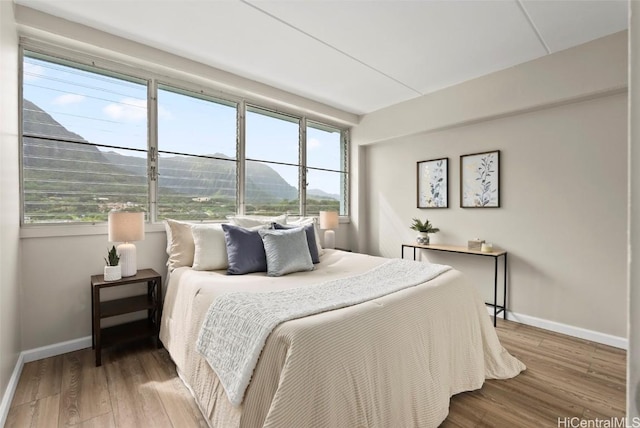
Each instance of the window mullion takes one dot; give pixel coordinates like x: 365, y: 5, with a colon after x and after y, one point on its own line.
x: 302, y: 170
x: 344, y: 162
x: 240, y: 157
x: 152, y: 156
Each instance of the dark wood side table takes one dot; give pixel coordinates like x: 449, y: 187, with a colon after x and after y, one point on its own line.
x: 464, y: 250
x: 131, y: 331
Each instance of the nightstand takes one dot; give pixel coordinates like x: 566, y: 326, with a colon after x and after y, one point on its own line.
x: 131, y: 331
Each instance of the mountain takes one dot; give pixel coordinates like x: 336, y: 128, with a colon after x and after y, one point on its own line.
x: 79, y: 175
x: 321, y: 194
x: 65, y: 168
x: 206, y: 177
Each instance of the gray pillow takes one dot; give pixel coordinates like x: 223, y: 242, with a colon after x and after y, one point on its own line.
x: 311, y: 239
x: 287, y: 251
x: 245, y: 251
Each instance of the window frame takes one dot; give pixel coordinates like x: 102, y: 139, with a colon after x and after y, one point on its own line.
x: 204, y: 95
x: 344, y: 156
x: 154, y: 81
x: 86, y: 65
x: 300, y: 120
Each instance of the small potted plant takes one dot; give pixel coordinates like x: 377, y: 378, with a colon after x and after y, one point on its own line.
x: 423, y: 229
x: 112, y: 271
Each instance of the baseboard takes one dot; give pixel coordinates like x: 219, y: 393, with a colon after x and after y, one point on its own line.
x: 56, y: 349
x: 7, y: 397
x: 34, y: 355
x: 582, y: 333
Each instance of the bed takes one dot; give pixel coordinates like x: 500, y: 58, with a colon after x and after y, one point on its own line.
x: 392, y: 361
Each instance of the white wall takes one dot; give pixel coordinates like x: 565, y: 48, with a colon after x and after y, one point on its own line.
x: 9, y: 199
x: 563, y: 195
x: 56, y: 275
x: 633, y: 356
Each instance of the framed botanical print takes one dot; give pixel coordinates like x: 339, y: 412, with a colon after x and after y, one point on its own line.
x: 480, y: 180
x: 433, y: 183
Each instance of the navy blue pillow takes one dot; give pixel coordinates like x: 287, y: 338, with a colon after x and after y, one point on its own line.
x: 245, y: 250
x: 311, y: 239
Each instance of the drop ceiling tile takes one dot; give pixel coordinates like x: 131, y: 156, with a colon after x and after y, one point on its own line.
x: 426, y: 45
x: 564, y: 24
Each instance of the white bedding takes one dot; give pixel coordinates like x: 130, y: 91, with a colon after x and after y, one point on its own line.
x: 391, y: 361
x: 237, y: 324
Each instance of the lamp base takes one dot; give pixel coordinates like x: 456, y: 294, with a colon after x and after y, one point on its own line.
x: 329, y: 239
x: 128, y: 261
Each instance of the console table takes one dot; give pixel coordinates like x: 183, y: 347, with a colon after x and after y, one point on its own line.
x: 464, y: 250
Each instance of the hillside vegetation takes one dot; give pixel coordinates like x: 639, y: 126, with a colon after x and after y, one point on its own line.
x: 75, y: 181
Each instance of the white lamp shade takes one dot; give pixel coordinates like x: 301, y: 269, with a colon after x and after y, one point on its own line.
x: 328, y: 220
x: 126, y: 226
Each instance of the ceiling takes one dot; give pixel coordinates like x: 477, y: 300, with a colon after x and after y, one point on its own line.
x: 355, y: 55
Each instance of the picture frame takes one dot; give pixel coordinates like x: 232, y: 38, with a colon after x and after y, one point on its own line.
x: 480, y: 180
x: 433, y: 183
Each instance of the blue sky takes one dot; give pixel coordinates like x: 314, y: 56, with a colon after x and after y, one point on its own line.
x: 111, y: 111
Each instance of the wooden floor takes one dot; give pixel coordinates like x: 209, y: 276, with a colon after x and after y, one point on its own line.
x: 138, y: 387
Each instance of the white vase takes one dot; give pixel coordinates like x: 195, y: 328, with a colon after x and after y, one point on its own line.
x: 422, y: 238
x: 112, y: 273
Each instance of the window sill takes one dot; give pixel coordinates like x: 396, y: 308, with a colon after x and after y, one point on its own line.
x: 65, y: 230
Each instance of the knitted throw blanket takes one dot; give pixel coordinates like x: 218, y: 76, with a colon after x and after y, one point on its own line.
x: 237, y: 325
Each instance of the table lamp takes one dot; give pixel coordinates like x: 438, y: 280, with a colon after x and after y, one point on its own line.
x: 126, y: 227
x: 329, y: 221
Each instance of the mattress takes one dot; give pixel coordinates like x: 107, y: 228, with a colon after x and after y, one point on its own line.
x: 391, y: 361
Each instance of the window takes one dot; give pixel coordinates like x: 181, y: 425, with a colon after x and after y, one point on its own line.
x: 197, y: 163
x: 326, y: 169
x: 272, y: 166
x: 90, y: 145
x: 84, y: 147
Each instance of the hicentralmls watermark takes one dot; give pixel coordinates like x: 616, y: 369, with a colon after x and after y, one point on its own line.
x: 576, y: 422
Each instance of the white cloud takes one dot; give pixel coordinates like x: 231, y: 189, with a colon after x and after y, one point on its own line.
x: 133, y: 110
x: 313, y: 144
x: 129, y: 109
x: 32, y: 72
x: 67, y: 99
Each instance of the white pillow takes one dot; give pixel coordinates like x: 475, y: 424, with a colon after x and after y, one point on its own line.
x: 210, y: 247
x: 180, y: 246
x: 303, y: 221
x: 256, y: 220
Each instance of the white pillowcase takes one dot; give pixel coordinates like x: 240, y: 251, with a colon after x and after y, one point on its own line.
x: 210, y: 247
x: 256, y: 220
x: 303, y: 221
x: 180, y: 246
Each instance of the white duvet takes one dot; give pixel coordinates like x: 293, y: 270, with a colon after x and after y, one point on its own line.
x: 237, y: 324
x: 390, y: 361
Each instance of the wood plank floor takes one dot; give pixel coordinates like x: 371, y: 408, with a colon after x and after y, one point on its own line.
x: 138, y: 387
